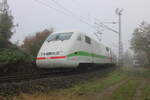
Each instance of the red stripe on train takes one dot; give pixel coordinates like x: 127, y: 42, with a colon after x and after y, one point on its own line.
x: 40, y: 58
x: 56, y: 57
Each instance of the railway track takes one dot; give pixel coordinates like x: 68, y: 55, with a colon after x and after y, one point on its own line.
x: 47, y: 74
x: 27, y: 77
x: 29, y: 83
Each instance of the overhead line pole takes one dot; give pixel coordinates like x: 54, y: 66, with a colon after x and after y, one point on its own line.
x: 119, y: 13
x: 119, y: 32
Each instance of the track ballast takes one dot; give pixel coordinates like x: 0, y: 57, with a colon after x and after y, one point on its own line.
x: 45, y: 74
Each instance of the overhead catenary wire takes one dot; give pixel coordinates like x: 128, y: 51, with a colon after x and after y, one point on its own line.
x: 102, y: 25
x: 68, y: 12
x: 62, y: 7
x: 79, y: 17
x: 98, y: 33
x: 105, y: 26
x: 51, y: 7
x: 65, y: 11
x: 99, y: 23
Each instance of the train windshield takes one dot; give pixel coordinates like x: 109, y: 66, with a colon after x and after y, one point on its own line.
x: 60, y: 36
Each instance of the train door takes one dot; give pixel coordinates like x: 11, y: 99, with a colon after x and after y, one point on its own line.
x: 111, y: 56
x: 88, y: 42
x: 108, y: 51
x: 79, y: 47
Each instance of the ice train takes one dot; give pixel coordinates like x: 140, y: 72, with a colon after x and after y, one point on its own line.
x: 69, y: 49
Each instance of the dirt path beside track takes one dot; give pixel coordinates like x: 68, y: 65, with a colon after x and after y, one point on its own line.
x: 139, y: 91
x: 106, y: 93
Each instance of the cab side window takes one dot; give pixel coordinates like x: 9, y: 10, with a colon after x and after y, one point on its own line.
x: 107, y: 49
x: 79, y: 38
x: 87, y: 40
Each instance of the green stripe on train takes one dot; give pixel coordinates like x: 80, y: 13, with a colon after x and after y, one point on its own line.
x: 83, y: 53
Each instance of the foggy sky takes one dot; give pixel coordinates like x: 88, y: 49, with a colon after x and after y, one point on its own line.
x: 32, y: 16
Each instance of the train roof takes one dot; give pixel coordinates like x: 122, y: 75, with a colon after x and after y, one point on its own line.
x: 74, y: 31
x: 84, y: 33
x: 67, y: 31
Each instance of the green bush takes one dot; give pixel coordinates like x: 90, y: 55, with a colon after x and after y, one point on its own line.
x: 4, y: 43
x: 14, y: 55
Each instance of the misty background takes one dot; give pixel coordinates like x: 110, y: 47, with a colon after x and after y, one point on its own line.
x: 36, y: 15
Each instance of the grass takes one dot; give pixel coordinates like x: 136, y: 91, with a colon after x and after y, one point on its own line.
x: 97, y: 85
x: 127, y: 91
x: 139, y: 72
x: 93, y: 86
x: 147, y: 92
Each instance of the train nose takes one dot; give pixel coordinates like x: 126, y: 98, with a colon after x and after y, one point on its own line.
x: 52, y: 62
x: 53, y: 55
x: 50, y: 55
x: 48, y: 58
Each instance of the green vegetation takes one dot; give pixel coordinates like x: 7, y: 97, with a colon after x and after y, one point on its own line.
x: 96, y: 84
x: 140, y: 43
x: 13, y: 55
x: 127, y: 91
x: 139, y: 72
x: 9, y: 53
x: 147, y: 92
x: 99, y: 87
x: 6, y: 26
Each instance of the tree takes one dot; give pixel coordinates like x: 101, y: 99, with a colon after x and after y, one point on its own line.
x: 140, y: 42
x: 127, y: 58
x: 32, y: 44
x: 141, y: 59
x: 6, y: 26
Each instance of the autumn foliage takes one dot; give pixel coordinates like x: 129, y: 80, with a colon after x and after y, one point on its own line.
x: 32, y: 44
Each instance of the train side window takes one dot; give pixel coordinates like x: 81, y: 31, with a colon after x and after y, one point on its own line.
x: 79, y: 38
x: 87, y: 40
x: 107, y: 49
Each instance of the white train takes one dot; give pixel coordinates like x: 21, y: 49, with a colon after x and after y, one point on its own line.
x: 70, y: 49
